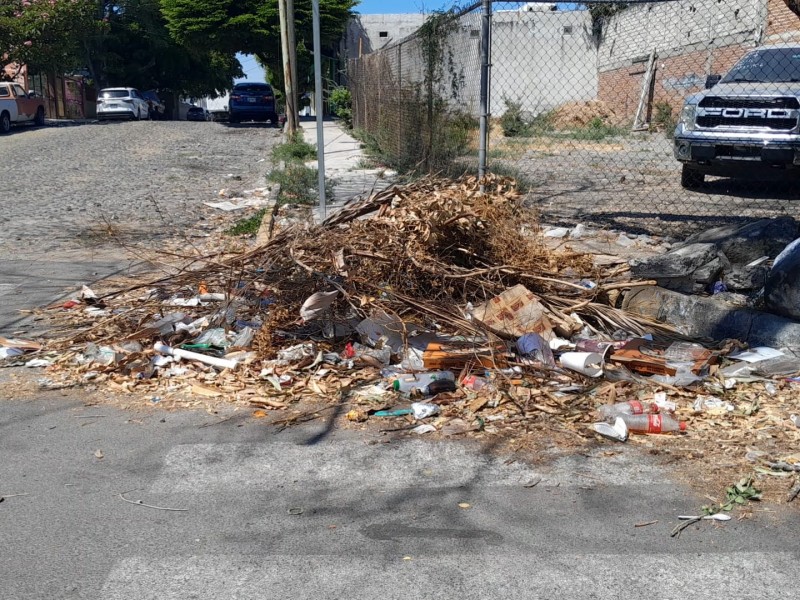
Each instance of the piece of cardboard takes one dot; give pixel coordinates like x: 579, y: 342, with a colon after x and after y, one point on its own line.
x: 516, y: 311
x: 456, y: 356
x: 645, y: 357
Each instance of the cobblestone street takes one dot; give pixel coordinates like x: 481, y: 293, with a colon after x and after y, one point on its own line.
x: 76, y: 199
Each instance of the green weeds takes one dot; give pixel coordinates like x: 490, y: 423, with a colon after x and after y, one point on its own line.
x: 248, y: 226
x: 294, y: 150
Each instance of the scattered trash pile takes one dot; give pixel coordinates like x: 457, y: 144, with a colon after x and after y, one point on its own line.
x: 432, y: 308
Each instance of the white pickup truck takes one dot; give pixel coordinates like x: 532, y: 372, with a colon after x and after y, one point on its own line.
x: 18, y: 107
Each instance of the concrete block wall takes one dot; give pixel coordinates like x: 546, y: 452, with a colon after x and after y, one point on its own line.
x: 369, y: 33
x: 782, y: 23
x: 542, y: 59
x: 692, y: 38
x: 675, y: 78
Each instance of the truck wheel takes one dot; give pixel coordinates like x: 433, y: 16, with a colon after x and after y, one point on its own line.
x: 39, y: 120
x: 691, y: 178
x: 5, y: 123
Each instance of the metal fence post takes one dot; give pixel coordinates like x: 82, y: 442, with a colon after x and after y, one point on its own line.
x: 319, y: 108
x: 486, y: 21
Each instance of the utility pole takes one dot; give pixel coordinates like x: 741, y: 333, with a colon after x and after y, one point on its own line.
x: 319, y: 108
x: 289, y: 54
x: 486, y: 63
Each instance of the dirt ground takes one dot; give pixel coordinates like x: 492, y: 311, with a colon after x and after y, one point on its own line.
x: 631, y: 183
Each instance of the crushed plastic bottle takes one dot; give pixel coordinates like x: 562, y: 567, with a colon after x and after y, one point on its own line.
x: 652, y: 423
x: 664, y: 405
x: 213, y: 337
x: 382, y: 355
x: 408, y: 383
x: 244, y: 338
x: 609, y: 412
x: 681, y: 352
x: 101, y: 355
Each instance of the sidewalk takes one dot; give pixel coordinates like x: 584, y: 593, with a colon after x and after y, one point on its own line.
x: 344, y: 161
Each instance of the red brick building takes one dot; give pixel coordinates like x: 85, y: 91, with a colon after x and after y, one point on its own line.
x: 691, y: 40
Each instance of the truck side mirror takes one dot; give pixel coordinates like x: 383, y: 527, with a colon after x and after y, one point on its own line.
x: 712, y: 80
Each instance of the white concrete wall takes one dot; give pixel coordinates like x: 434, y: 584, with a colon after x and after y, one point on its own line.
x: 363, y: 33
x: 674, y: 28
x: 542, y: 59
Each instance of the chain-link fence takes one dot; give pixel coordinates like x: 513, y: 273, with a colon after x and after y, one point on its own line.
x: 416, y: 100
x: 587, y: 104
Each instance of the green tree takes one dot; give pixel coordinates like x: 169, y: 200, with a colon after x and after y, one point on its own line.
x: 47, y: 35
x: 252, y: 27
x: 137, y: 50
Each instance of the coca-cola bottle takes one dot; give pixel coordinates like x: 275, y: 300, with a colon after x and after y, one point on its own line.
x: 652, y: 423
x: 609, y: 412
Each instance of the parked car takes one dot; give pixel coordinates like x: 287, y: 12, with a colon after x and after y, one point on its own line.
x: 250, y: 101
x: 156, y: 107
x: 18, y: 107
x: 197, y: 113
x: 746, y: 123
x: 121, y: 103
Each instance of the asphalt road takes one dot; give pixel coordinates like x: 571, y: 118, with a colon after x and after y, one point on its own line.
x: 90, y: 491
x: 301, y: 514
x: 81, y: 203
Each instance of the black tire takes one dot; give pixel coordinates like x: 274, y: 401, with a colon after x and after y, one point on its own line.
x: 273, y: 118
x: 233, y: 120
x: 5, y: 123
x: 691, y: 179
x: 39, y: 119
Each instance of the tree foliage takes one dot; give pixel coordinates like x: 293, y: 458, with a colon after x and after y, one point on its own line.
x: 252, y: 27
x: 137, y: 50
x: 186, y: 46
x: 47, y: 35
x: 115, y: 42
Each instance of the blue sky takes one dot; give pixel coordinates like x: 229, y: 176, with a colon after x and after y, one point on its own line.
x: 253, y: 72
x: 372, y: 7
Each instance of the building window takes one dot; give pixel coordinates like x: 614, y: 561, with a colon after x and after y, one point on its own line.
x: 567, y: 29
x: 383, y: 34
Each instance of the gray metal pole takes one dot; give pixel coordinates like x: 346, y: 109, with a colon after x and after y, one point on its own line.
x: 486, y: 19
x: 319, y: 109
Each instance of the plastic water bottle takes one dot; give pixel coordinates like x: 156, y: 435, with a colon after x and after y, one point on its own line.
x: 408, y: 382
x: 652, y: 423
x: 633, y: 407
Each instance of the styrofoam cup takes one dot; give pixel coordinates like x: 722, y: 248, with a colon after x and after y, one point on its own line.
x: 586, y: 363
